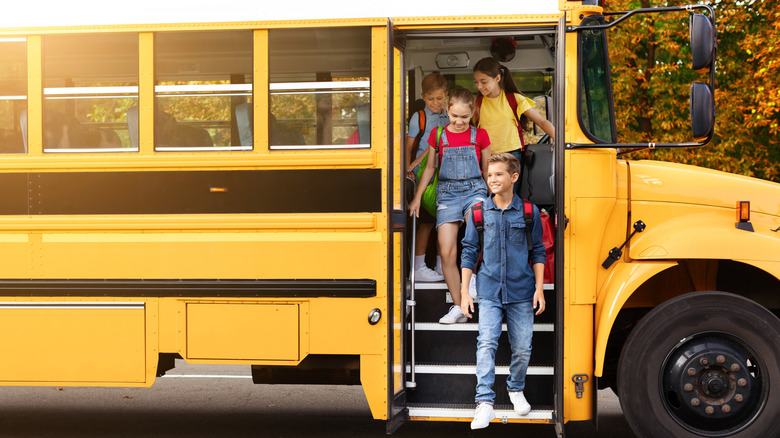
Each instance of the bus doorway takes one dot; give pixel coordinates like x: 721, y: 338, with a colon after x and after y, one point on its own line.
x: 441, y: 358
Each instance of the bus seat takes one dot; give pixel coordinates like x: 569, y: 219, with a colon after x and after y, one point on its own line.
x: 23, y: 123
x: 280, y: 134
x: 364, y: 122
x: 538, y: 174
x: 132, y: 125
x: 244, y: 122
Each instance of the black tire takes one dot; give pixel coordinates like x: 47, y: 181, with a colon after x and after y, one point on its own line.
x: 677, y: 369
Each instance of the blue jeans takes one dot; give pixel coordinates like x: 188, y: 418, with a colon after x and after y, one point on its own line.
x: 520, y: 320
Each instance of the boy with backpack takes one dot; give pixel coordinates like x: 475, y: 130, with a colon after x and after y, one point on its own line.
x: 510, y: 282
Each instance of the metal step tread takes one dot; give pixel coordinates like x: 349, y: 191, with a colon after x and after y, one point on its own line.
x: 470, y: 327
x: 503, y: 412
x: 440, y: 285
x: 471, y: 369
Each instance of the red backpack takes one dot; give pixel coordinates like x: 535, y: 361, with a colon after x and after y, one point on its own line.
x: 512, y: 100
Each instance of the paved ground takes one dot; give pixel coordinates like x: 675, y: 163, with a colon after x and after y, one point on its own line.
x: 224, y: 403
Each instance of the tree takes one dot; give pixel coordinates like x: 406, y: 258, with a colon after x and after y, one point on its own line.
x: 650, y: 61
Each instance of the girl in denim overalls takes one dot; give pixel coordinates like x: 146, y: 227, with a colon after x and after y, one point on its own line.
x: 463, y: 152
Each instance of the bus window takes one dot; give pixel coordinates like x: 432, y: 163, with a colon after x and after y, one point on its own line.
x: 203, y: 88
x: 320, y: 88
x: 595, y: 101
x: 89, y: 84
x: 13, y: 95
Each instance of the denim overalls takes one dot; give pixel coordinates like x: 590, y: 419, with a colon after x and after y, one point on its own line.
x: 460, y: 181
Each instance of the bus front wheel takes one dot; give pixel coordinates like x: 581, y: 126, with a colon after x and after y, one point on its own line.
x: 703, y: 364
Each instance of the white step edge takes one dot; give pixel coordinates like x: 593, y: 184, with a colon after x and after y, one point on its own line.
x: 470, y: 327
x: 502, y: 370
x: 440, y: 285
x: 501, y: 414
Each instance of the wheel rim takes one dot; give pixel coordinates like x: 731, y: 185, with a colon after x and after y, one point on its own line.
x: 712, y: 384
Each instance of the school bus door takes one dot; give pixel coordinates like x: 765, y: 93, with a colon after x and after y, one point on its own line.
x: 397, y: 217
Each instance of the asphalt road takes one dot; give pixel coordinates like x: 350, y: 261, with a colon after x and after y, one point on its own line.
x: 221, y: 401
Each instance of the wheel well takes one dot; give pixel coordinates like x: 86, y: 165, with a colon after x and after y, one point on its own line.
x: 689, y: 276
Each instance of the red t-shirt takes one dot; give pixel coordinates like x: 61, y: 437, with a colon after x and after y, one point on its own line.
x: 462, y: 139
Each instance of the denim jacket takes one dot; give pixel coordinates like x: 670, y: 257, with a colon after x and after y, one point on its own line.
x: 505, y: 274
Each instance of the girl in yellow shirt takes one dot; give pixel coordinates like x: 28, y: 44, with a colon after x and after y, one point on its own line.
x: 494, y: 81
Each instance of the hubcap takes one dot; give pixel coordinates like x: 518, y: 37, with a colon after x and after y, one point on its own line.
x: 712, y: 384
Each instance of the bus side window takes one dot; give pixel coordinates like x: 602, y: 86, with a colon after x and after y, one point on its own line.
x: 319, y: 85
x: 13, y: 89
x: 89, y: 82
x: 201, y: 79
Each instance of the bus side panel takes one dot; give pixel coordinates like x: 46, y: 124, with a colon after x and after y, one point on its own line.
x: 76, y: 342
x: 245, y: 331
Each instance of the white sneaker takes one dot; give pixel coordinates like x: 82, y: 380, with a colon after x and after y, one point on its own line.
x: 482, y: 416
x: 518, y: 401
x: 438, y: 270
x: 455, y: 315
x: 427, y: 275
x: 473, y: 286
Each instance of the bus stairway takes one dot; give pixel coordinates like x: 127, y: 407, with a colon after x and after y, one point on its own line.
x: 441, y: 376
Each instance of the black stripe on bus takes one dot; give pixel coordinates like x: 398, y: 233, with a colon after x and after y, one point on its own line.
x: 199, y: 288
x: 192, y: 192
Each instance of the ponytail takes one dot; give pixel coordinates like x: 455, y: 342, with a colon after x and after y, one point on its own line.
x: 507, y: 82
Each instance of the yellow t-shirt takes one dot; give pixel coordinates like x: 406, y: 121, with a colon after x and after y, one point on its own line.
x: 495, y: 117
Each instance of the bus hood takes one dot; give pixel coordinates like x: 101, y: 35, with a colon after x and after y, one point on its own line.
x: 657, y: 181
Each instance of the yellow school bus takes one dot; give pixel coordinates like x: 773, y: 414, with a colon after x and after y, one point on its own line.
x: 226, y: 187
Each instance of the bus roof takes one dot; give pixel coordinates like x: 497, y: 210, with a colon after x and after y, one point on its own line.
x: 46, y: 13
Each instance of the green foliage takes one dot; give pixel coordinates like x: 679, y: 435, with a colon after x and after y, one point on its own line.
x: 650, y: 61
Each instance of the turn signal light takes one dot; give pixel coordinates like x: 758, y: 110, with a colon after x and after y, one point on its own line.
x: 743, y: 216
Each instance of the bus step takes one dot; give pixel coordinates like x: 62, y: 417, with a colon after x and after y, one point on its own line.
x: 470, y: 327
x: 504, y: 413
x: 501, y: 370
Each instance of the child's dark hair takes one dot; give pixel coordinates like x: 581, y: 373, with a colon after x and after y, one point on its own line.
x: 512, y: 163
x: 434, y: 81
x: 461, y: 95
x: 493, y: 68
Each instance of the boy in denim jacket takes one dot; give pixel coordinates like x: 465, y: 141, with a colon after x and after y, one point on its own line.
x: 507, y: 285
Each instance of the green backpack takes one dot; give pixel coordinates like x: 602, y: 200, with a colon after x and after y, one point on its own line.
x: 429, y: 195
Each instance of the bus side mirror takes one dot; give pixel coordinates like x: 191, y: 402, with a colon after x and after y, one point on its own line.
x: 702, y: 111
x: 702, y: 42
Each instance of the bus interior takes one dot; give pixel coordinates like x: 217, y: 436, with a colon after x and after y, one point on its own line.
x: 440, y: 359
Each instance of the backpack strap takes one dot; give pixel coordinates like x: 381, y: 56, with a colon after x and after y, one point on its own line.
x: 478, y: 214
x: 418, y: 137
x: 528, y: 215
x: 441, y: 140
x: 421, y: 120
x: 510, y: 97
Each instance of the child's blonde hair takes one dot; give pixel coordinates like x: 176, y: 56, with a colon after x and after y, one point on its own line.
x: 512, y: 163
x: 434, y: 81
x: 462, y: 95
